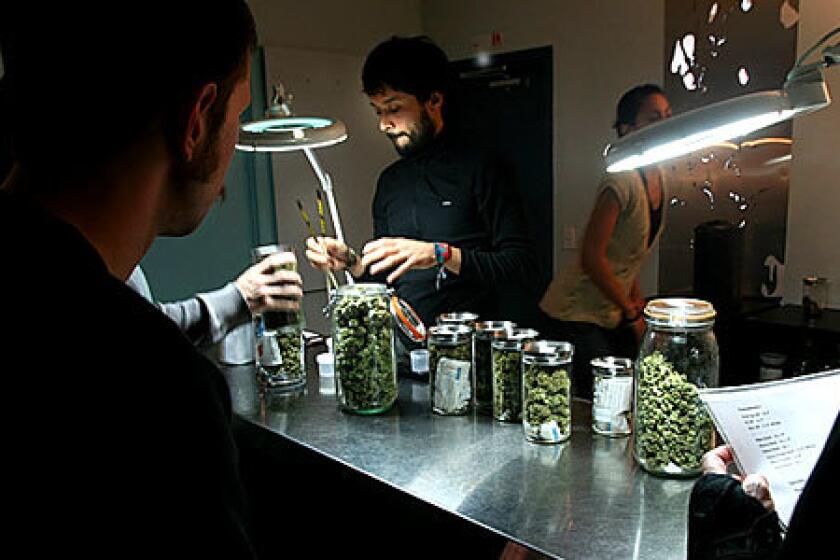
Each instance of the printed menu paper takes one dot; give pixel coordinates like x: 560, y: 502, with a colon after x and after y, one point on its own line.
x: 777, y: 429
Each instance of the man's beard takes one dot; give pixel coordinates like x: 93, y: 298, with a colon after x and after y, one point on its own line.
x: 418, y: 139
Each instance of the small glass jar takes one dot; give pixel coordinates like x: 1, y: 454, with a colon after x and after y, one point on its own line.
x: 450, y: 365
x: 772, y: 366
x: 506, y: 354
x: 363, y: 348
x: 547, y: 391
x: 814, y: 296
x: 612, y: 395
x: 482, y: 362
x: 279, y: 336
x: 678, y: 356
x: 458, y: 318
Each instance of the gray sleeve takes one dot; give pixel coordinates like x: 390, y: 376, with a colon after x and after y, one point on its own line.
x: 207, y: 318
x: 191, y: 318
x: 204, y: 319
x: 137, y: 282
x: 226, y: 310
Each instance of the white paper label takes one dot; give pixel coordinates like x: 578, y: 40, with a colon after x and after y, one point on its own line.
x: 611, y: 401
x: 452, y: 389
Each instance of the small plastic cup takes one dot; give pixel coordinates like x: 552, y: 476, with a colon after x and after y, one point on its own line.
x: 326, y: 364
x: 419, y: 362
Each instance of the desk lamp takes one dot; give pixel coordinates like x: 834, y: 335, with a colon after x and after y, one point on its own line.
x: 804, y: 91
x: 280, y: 131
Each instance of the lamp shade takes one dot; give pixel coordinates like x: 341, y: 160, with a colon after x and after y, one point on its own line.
x: 715, y: 123
x: 290, y: 133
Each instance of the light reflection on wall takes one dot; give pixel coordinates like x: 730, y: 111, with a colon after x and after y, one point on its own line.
x: 718, y: 50
x: 744, y: 184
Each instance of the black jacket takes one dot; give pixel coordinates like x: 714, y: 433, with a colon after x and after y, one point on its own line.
x: 726, y: 523
x: 454, y: 193
x: 116, y: 431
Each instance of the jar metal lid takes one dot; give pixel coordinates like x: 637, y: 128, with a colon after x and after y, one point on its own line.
x: 261, y: 252
x: 680, y: 312
x: 513, y: 339
x: 449, y: 334
x: 458, y: 317
x: 772, y: 358
x: 362, y: 289
x: 485, y: 329
x: 612, y: 366
x: 407, y: 319
x: 547, y: 352
x: 813, y: 280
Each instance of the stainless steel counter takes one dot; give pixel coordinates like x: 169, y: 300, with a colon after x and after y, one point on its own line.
x: 583, y: 499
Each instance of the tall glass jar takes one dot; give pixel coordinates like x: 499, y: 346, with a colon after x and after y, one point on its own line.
x: 547, y: 391
x: 450, y: 365
x: 482, y: 363
x: 679, y: 354
x: 506, y: 354
x: 363, y: 345
x: 612, y: 384
x: 279, y: 335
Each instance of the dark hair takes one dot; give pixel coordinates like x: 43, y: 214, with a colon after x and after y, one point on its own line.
x: 414, y: 65
x: 631, y: 102
x: 91, y: 80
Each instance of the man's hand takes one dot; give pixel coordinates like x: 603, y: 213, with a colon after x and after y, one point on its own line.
x: 267, y: 287
x: 396, y: 252
x: 717, y: 461
x: 328, y: 254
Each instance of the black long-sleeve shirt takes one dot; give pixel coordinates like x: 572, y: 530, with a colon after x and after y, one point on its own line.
x: 453, y: 193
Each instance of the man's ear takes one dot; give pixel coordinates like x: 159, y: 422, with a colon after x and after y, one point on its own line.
x: 436, y: 99
x: 198, y: 123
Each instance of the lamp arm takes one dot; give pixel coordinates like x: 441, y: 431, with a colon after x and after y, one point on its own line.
x: 817, y: 45
x: 326, y: 185
x: 831, y: 55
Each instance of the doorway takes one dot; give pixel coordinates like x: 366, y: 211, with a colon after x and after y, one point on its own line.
x: 506, y: 105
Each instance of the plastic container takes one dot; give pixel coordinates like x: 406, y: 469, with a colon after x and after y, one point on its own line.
x: 506, y: 355
x: 678, y: 355
x: 547, y: 391
x: 419, y: 362
x: 326, y: 364
x: 363, y: 346
x: 483, y: 363
x: 450, y: 369
x: 326, y: 373
x: 612, y: 396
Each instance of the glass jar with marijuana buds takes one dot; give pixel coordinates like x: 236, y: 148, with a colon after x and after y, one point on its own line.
x: 279, y: 335
x: 363, y: 345
x: 482, y: 364
x: 678, y: 356
x: 506, y: 355
x: 450, y: 365
x: 547, y: 391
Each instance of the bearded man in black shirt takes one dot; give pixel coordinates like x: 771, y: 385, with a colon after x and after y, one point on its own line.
x: 449, y: 233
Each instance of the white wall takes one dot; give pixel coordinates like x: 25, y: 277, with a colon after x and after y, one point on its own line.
x: 813, y: 238
x: 334, y: 25
x: 601, y: 49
